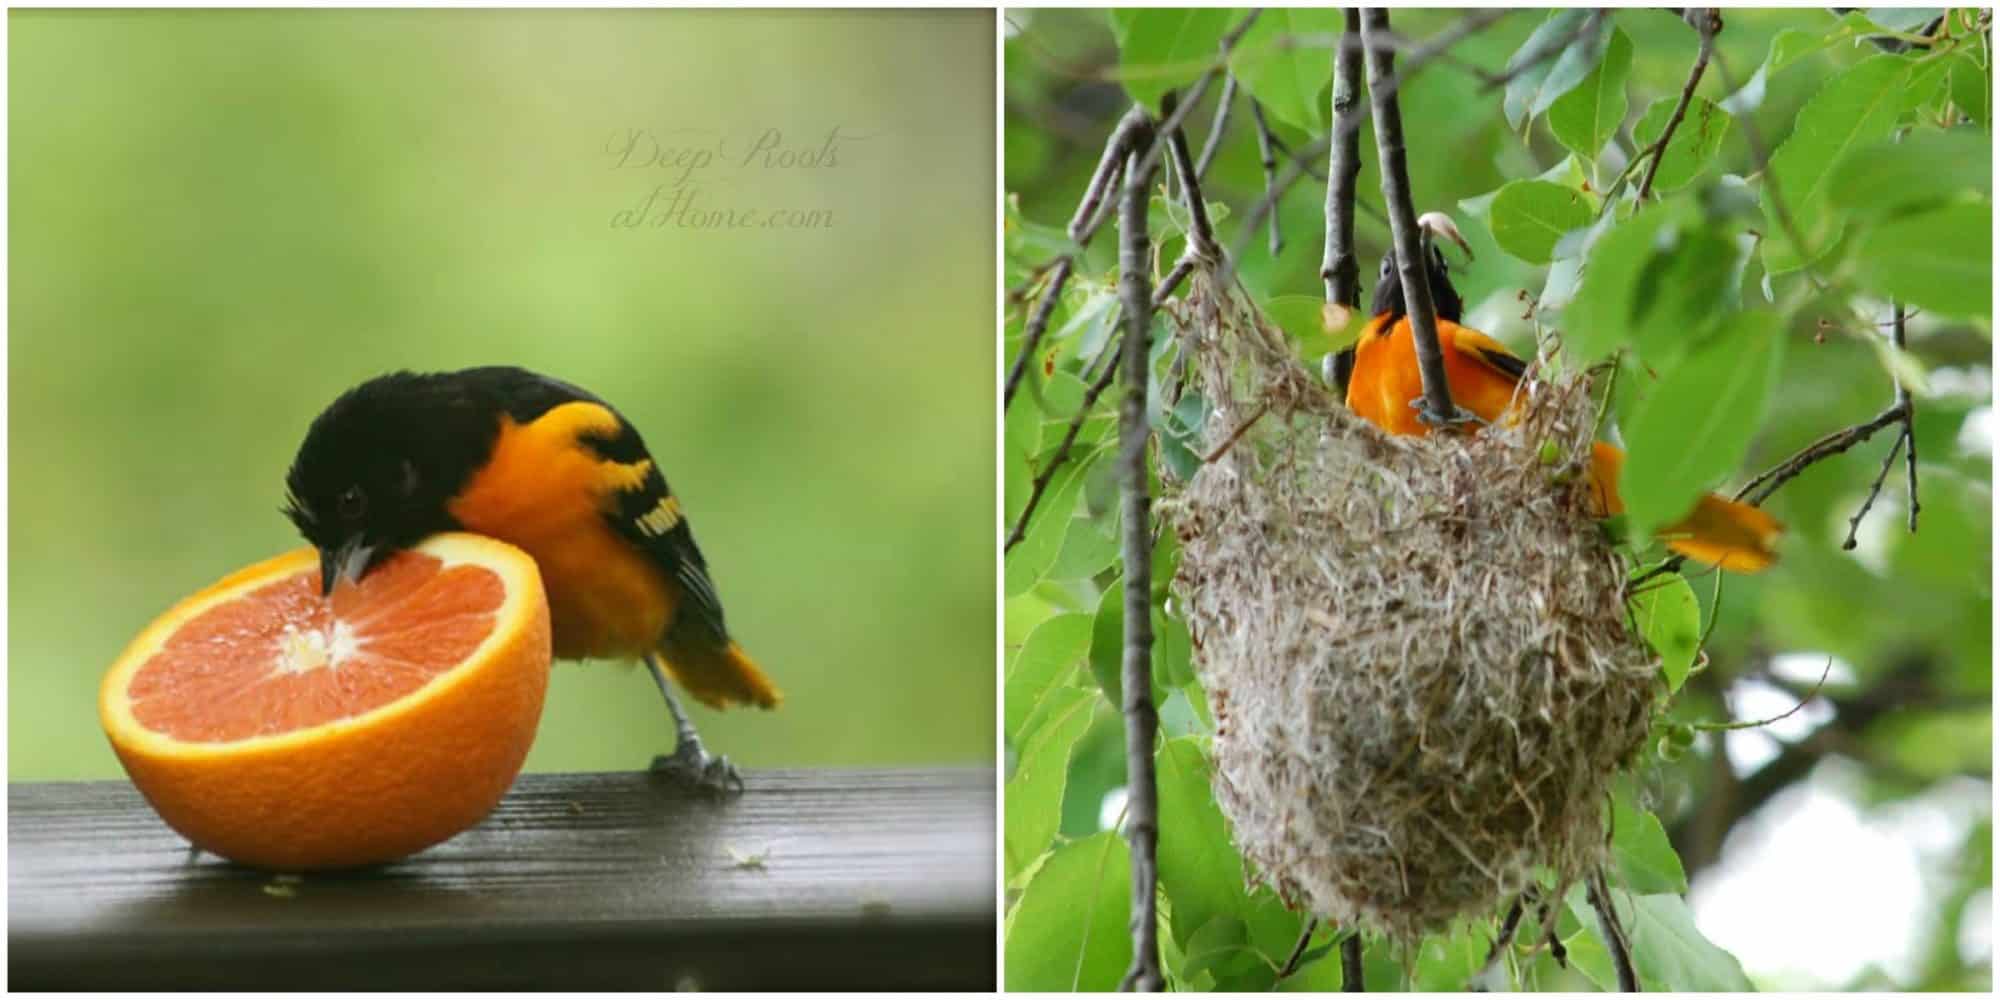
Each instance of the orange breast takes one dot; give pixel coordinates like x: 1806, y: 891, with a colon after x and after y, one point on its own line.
x: 546, y: 492
x: 1386, y: 379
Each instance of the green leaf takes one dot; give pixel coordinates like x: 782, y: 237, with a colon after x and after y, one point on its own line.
x: 1676, y: 297
x: 1199, y: 868
x: 1303, y: 318
x: 1941, y: 259
x: 1067, y: 932
x: 1929, y: 166
x: 1289, y: 79
x: 1645, y: 857
x: 1087, y: 549
x: 1533, y: 89
x: 1530, y: 216
x: 1696, y: 425
x: 1037, y: 550
x: 1791, y: 44
x: 1586, y: 118
x: 1598, y: 320
x: 1857, y: 107
x: 1694, y: 143
x: 1052, y: 649
x: 1669, y: 620
x: 1904, y: 19
x: 1221, y: 947
x: 1107, y: 642
x: 1173, y: 651
x: 1166, y: 49
x: 1971, y: 90
x: 1447, y: 961
x: 1035, y: 792
x: 1668, y: 950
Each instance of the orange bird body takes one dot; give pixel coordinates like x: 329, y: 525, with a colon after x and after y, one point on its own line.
x: 1383, y: 382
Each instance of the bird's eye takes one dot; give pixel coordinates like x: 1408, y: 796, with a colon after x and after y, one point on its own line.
x: 353, y: 503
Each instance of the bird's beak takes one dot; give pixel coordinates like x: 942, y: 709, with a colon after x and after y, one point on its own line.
x: 348, y: 562
x: 1440, y: 224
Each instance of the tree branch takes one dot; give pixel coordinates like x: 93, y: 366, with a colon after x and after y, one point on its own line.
x: 1351, y: 978
x: 1216, y: 128
x: 1201, y: 233
x: 1432, y: 48
x: 1758, y: 490
x: 1048, y: 473
x: 1142, y: 720
x: 1340, y: 268
x: 1437, y: 408
x: 1707, y: 22
x: 1501, y: 942
x: 1613, y: 932
x: 1170, y: 121
x: 1082, y: 226
x: 1266, y: 155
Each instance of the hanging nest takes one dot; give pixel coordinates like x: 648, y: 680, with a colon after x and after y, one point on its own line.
x: 1415, y: 649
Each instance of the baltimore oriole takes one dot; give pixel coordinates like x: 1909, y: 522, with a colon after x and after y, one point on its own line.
x: 1381, y: 380
x: 554, y: 470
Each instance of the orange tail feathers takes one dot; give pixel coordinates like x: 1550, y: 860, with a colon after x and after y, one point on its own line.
x: 1720, y: 532
x: 1734, y: 536
x: 718, y: 676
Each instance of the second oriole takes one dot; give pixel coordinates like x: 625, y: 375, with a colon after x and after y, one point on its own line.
x: 554, y: 470
x: 1382, y: 381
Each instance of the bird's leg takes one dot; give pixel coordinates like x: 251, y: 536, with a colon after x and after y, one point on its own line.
x: 691, y: 763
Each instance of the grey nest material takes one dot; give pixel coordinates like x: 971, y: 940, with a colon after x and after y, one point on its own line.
x: 1415, y: 649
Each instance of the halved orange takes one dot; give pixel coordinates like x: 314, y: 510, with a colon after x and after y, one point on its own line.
x: 288, y: 731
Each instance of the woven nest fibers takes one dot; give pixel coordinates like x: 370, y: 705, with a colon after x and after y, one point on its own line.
x: 1415, y: 649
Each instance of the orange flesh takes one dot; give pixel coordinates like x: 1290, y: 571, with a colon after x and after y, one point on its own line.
x: 280, y: 659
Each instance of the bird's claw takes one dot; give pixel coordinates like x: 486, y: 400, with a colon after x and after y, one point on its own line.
x: 696, y: 768
x: 1456, y: 418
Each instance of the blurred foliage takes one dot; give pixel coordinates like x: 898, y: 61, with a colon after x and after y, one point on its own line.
x: 222, y: 219
x: 1748, y: 317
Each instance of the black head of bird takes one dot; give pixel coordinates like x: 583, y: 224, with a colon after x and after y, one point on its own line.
x: 378, y: 467
x: 1444, y: 298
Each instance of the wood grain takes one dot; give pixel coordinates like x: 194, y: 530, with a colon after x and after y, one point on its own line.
x: 810, y: 880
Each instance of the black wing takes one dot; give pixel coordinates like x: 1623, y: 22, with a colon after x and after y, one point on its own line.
x: 650, y: 516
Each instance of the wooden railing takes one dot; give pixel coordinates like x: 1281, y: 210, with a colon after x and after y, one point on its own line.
x: 810, y: 880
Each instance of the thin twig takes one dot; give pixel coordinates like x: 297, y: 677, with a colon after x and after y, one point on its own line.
x: 1707, y: 22
x: 1874, y: 492
x: 1757, y: 490
x: 1142, y: 719
x: 1265, y: 154
x: 1038, y: 322
x: 1082, y: 225
x: 1181, y: 269
x: 1898, y: 333
x: 1216, y: 128
x: 1201, y: 234
x: 1170, y: 120
x: 1612, y: 932
x: 1437, y: 409
x: 1298, y: 950
x: 1804, y: 700
x: 1501, y: 942
x: 1048, y: 473
x: 1230, y: 441
x: 1340, y: 268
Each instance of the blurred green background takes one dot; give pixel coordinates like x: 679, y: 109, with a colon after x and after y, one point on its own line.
x: 222, y: 219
